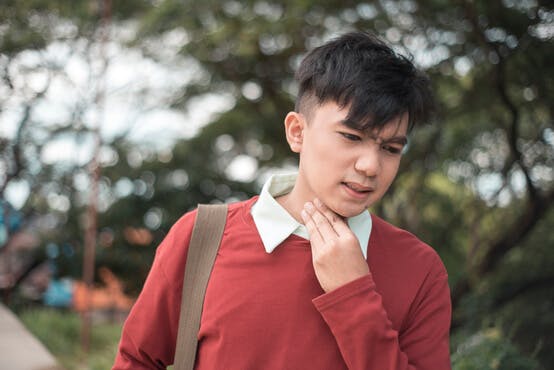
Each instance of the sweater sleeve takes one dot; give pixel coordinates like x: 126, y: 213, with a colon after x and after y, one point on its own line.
x: 150, y: 331
x: 365, y: 336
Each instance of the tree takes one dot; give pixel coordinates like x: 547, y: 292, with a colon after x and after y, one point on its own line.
x: 477, y: 185
x: 51, y: 67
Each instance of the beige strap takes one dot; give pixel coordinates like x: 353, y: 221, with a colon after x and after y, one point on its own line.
x: 204, y: 243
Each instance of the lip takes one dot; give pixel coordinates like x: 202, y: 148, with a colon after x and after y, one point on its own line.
x: 361, y: 192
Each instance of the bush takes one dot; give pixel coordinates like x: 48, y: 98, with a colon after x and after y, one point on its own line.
x: 489, y: 350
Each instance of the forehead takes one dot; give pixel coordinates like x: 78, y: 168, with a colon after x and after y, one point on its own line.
x: 333, y: 114
x: 396, y: 127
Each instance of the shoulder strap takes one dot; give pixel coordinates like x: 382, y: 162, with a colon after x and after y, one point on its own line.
x: 206, y: 237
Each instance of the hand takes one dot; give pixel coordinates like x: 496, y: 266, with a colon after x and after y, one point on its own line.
x: 336, y: 253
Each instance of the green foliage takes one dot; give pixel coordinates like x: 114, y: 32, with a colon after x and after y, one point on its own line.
x: 489, y: 350
x: 478, y: 185
x: 60, y: 333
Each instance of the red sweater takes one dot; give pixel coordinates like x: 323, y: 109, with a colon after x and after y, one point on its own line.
x: 267, y: 311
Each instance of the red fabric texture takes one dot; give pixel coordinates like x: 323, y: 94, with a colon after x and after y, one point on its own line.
x: 267, y: 311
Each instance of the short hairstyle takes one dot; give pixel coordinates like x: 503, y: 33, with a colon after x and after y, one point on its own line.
x: 359, y: 71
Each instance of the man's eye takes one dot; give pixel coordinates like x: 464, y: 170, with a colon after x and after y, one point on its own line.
x: 351, y: 137
x: 392, y: 149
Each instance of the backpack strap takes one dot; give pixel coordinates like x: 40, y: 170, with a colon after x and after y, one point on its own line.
x: 204, y: 243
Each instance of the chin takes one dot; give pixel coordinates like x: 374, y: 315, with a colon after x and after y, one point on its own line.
x: 347, y: 212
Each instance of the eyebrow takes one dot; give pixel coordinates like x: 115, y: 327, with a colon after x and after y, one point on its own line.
x: 400, y: 139
x: 403, y: 140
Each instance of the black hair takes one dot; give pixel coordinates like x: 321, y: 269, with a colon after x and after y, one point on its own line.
x: 360, y: 71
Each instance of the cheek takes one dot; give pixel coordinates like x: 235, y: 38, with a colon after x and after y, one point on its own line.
x: 317, y: 154
x: 391, y: 171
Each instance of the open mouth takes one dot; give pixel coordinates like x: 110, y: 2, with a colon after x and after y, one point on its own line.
x: 357, y: 188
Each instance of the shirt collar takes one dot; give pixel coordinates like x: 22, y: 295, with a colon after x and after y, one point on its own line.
x: 275, y: 224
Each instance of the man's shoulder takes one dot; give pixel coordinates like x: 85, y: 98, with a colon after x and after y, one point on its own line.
x: 404, y: 268
x: 171, y: 251
x: 395, y: 235
x: 238, y: 208
x: 403, y: 246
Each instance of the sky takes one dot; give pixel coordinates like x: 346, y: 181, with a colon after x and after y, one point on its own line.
x: 136, y: 89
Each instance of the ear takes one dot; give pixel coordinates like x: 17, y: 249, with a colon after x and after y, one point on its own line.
x: 294, y: 130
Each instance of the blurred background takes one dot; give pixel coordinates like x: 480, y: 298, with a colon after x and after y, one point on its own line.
x: 116, y: 117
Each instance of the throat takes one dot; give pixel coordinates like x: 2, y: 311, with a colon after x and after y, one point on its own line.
x: 292, y: 205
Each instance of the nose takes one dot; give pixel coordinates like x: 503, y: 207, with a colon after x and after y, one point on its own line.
x: 368, y: 161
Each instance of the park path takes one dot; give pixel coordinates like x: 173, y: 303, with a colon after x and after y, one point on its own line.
x: 19, y: 349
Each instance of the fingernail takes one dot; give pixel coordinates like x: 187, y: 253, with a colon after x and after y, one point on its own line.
x: 304, y: 215
x: 308, y: 206
x: 318, y: 202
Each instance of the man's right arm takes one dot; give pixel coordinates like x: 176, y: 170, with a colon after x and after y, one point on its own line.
x: 150, y: 331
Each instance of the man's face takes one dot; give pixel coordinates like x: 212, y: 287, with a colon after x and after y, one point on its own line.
x: 347, y: 169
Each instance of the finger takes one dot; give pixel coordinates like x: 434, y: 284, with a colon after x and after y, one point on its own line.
x: 315, y: 236
x: 331, y: 216
x: 337, y: 222
x: 321, y: 222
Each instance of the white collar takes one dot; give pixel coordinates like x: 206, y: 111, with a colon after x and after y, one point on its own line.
x: 275, y: 224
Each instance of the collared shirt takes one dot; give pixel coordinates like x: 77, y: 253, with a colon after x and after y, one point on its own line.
x: 275, y: 224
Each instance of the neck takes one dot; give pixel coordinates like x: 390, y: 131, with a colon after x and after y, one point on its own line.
x: 293, y: 202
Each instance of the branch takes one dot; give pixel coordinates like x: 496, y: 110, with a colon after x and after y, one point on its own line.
x: 513, y: 132
x: 537, y: 204
x: 500, y: 84
x: 17, y: 149
x: 516, y: 233
x: 464, y: 287
x: 540, y: 283
x: 535, y: 210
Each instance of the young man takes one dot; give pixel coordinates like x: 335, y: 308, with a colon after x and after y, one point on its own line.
x: 305, y: 277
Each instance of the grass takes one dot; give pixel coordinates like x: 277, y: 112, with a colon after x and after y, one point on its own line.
x: 60, y: 332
